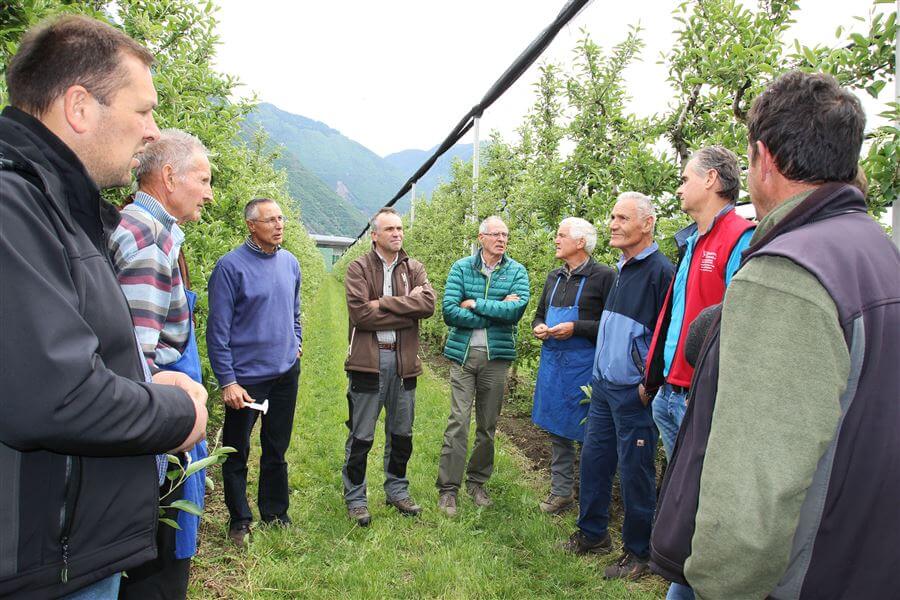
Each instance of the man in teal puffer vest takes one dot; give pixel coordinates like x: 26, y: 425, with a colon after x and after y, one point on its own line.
x: 484, y: 298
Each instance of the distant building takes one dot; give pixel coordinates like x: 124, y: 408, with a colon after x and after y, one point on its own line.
x: 331, y: 247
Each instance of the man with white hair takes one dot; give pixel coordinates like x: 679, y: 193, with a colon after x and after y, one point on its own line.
x: 620, y: 432
x: 484, y: 298
x: 566, y: 321
x: 174, y: 182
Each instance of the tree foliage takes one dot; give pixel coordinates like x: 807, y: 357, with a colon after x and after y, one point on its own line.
x: 580, y: 146
x: 195, y: 98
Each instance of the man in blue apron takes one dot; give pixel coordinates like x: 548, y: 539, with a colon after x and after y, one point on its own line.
x: 174, y: 182
x: 566, y: 320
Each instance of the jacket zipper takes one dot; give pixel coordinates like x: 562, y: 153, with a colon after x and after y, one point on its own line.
x: 65, y: 516
x: 487, y: 342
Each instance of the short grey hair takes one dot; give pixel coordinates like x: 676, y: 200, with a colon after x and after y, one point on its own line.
x: 579, y: 229
x: 483, y: 228
x: 174, y: 147
x: 384, y: 210
x: 724, y: 162
x: 251, y: 211
x: 644, y: 206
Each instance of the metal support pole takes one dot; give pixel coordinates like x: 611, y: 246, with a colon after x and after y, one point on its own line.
x: 895, y: 220
x: 476, y: 159
x: 412, y: 201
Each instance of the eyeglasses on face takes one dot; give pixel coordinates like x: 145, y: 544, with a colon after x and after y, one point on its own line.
x: 497, y: 234
x: 270, y: 220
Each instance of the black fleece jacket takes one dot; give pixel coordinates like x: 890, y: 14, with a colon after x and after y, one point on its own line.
x: 79, y: 427
x: 600, y: 279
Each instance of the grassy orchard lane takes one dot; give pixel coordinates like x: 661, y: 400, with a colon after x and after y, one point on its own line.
x: 506, y: 551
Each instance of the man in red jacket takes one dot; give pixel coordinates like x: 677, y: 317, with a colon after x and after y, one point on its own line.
x: 710, y: 252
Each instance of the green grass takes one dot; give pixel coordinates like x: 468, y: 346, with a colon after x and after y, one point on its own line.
x: 506, y: 551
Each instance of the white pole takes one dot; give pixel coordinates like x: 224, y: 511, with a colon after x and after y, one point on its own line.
x: 476, y: 157
x: 412, y: 201
x: 895, y: 221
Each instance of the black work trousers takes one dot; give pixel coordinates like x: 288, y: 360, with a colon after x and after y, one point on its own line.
x: 275, y: 436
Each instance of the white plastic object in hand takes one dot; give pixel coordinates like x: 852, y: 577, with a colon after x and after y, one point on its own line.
x: 262, y: 407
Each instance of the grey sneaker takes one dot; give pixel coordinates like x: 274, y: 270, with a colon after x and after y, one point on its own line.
x: 407, y: 506
x: 628, y: 566
x: 360, y: 514
x: 556, y: 505
x: 578, y: 543
x: 479, y: 495
x: 447, y: 503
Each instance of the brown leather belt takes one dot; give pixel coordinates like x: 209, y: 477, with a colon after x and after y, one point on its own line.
x: 387, y: 346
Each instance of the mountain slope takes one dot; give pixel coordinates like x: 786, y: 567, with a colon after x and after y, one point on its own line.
x: 408, y: 161
x: 362, y: 177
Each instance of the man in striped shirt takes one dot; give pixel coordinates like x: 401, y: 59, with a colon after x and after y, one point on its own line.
x: 174, y: 182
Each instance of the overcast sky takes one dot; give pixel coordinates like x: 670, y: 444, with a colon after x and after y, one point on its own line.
x: 400, y: 74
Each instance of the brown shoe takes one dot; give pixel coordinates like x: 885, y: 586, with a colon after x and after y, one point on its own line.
x: 479, y: 495
x: 580, y: 544
x: 628, y: 566
x: 407, y: 506
x: 238, y: 534
x: 360, y: 514
x: 447, y: 503
x: 557, y: 505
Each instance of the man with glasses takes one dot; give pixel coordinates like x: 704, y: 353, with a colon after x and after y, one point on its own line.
x: 484, y: 298
x: 254, y: 339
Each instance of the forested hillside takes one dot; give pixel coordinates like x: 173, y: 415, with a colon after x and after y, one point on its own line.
x: 365, y: 179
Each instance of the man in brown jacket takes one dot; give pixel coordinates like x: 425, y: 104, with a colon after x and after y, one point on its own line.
x: 387, y: 294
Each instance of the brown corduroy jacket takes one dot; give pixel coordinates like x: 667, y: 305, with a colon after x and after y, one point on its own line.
x: 370, y: 311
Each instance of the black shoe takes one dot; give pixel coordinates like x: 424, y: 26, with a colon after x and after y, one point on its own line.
x: 238, y: 534
x: 578, y: 543
x: 276, y: 520
x: 628, y: 566
x: 407, y: 506
x: 360, y: 514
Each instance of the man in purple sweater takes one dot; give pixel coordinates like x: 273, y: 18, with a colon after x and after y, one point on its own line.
x: 254, y: 339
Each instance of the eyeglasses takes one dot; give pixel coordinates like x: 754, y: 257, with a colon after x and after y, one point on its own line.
x: 270, y: 220
x: 498, y: 234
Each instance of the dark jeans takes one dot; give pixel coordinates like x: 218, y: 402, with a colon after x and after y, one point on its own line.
x: 619, y: 432
x: 165, y: 577
x: 275, y: 435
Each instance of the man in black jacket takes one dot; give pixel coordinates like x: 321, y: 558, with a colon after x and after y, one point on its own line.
x: 80, y: 422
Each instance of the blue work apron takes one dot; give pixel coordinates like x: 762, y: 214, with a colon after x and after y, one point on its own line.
x: 565, y: 366
x: 195, y: 485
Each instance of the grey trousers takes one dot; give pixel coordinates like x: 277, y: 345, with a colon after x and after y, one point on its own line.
x: 366, y: 395
x: 482, y: 382
x: 562, y: 466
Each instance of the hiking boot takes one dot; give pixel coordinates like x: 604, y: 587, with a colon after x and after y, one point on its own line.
x: 580, y: 544
x: 406, y: 506
x: 479, y: 495
x: 360, y: 514
x: 238, y: 534
x: 628, y: 566
x: 447, y: 503
x: 556, y: 505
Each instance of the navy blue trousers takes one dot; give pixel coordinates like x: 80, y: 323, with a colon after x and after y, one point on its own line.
x: 619, y: 433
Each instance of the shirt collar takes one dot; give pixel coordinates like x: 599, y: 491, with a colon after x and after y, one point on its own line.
x: 577, y: 269
x: 255, y: 247
x: 640, y: 255
x: 384, y: 262
x: 158, y: 212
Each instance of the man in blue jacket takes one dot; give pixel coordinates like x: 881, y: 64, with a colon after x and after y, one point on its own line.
x: 484, y: 298
x: 620, y: 431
